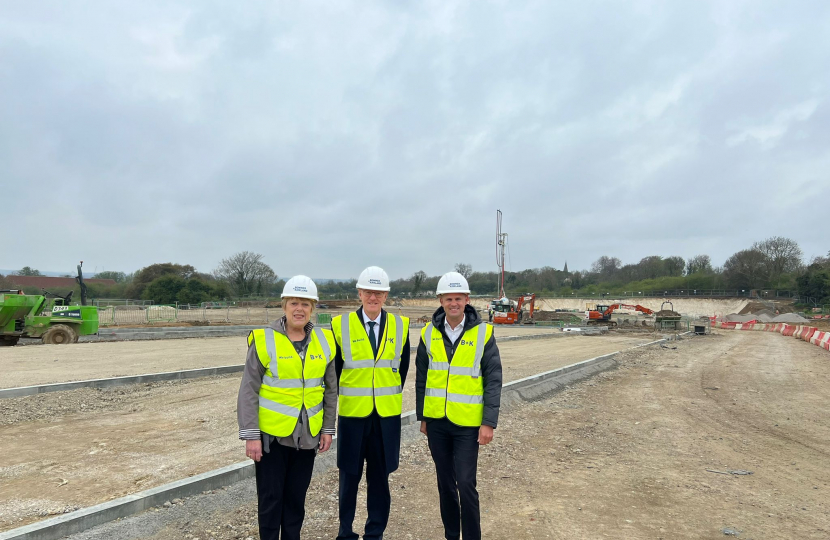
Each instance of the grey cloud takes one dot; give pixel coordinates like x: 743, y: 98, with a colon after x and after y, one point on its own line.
x: 186, y: 132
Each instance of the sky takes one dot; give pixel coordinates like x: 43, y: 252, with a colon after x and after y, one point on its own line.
x: 330, y: 136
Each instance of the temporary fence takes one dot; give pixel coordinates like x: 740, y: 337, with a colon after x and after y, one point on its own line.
x: 810, y: 334
x: 194, y: 314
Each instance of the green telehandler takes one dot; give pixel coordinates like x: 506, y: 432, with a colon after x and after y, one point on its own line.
x: 54, y: 320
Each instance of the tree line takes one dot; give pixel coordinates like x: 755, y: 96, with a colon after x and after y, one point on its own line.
x: 774, y: 263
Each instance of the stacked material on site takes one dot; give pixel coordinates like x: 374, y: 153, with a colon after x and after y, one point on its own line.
x: 667, y: 314
x: 734, y: 317
x: 790, y: 318
x: 555, y: 316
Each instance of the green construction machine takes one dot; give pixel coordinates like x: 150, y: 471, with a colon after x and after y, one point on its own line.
x: 51, y: 317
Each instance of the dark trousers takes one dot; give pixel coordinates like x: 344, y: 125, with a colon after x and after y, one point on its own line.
x: 282, y: 479
x: 455, y: 453
x: 378, y: 499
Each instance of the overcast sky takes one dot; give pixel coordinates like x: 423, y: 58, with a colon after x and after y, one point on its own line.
x: 330, y: 136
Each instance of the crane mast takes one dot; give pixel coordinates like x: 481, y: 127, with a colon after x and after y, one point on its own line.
x: 501, y: 241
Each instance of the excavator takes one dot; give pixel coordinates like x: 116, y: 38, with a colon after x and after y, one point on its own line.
x: 602, y: 315
x: 511, y: 311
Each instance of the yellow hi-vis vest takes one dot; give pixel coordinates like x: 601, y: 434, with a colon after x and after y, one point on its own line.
x: 455, y: 388
x: 368, y: 383
x: 289, y: 384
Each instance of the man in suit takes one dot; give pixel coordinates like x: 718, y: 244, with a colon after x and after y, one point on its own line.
x: 371, y: 360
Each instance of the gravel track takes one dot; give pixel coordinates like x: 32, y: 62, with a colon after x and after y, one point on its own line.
x: 626, y: 454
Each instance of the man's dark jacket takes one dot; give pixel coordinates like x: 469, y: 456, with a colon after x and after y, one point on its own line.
x: 350, y: 429
x: 490, y: 366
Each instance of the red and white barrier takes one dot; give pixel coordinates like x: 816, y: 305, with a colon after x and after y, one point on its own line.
x: 810, y: 334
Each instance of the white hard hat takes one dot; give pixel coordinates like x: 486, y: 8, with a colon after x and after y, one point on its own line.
x: 373, y: 279
x: 300, y: 287
x: 452, y: 282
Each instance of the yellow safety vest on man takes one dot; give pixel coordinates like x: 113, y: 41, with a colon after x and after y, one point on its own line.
x: 368, y: 382
x: 289, y: 383
x: 455, y: 388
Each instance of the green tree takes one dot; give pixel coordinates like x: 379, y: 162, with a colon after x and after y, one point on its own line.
x: 815, y: 281
x: 29, y: 271
x: 118, y: 277
x: 195, y: 291
x: 746, y: 269
x: 164, y: 290
x: 148, y: 274
x: 699, y: 264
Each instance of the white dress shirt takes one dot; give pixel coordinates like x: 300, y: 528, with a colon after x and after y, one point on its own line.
x: 366, y: 320
x: 454, y: 333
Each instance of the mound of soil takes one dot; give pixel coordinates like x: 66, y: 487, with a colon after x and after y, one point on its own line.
x: 667, y: 313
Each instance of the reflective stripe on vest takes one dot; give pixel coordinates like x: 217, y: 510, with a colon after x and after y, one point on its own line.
x: 455, y: 388
x: 289, y: 383
x: 368, y: 383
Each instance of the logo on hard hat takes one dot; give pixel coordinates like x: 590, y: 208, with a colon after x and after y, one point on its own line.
x: 374, y: 281
x: 300, y: 288
x: 455, y: 285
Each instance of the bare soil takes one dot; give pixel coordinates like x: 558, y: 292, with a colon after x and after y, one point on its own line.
x: 64, y: 450
x: 641, y: 452
x: 43, y: 364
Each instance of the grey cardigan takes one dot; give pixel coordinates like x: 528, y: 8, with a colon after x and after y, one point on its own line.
x: 247, y: 403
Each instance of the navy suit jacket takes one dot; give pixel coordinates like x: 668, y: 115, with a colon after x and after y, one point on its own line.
x: 350, y: 450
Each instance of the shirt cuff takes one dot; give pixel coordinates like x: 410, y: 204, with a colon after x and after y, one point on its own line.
x: 249, y: 434
x: 328, y: 431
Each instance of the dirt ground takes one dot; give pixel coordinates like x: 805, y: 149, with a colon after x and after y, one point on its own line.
x: 42, y: 364
x: 65, y: 450
x: 641, y: 452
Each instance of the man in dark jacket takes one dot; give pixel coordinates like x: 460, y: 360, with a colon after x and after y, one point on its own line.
x: 457, y: 397
x: 369, y: 419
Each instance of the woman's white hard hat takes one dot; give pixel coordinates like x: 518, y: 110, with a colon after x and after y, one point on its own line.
x: 373, y: 279
x: 300, y: 287
x: 452, y: 282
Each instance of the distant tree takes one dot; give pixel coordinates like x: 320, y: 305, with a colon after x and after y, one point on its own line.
x: 165, y: 289
x: 783, y: 256
x: 674, y: 266
x: 148, y: 274
x: 5, y: 283
x: 465, y: 270
x: 246, y: 273
x: 651, y: 267
x: 29, y: 271
x: 606, y: 267
x: 815, y: 281
x: 747, y: 268
x: 699, y: 264
x: 195, y: 291
x: 418, y: 279
x: 118, y: 277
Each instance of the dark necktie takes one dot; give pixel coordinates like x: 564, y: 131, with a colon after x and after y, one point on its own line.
x: 372, y: 341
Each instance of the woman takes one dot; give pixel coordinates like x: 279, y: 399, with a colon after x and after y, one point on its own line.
x: 287, y: 408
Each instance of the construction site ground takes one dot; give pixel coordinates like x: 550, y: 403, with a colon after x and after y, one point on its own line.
x: 43, y: 364
x: 66, y: 450
x: 714, y: 436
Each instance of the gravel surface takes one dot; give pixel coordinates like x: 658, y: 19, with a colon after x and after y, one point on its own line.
x: 43, y: 364
x: 121, y: 440
x: 644, y: 451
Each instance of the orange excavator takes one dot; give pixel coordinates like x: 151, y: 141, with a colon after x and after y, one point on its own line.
x: 506, y: 311
x: 602, y: 315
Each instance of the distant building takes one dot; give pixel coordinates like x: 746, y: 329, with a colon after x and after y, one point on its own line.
x: 47, y: 282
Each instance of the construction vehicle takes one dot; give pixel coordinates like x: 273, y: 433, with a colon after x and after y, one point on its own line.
x: 602, y: 314
x: 54, y: 320
x: 506, y: 311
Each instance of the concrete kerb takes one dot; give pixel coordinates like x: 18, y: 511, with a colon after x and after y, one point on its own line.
x: 529, y: 388
x: 21, y: 391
